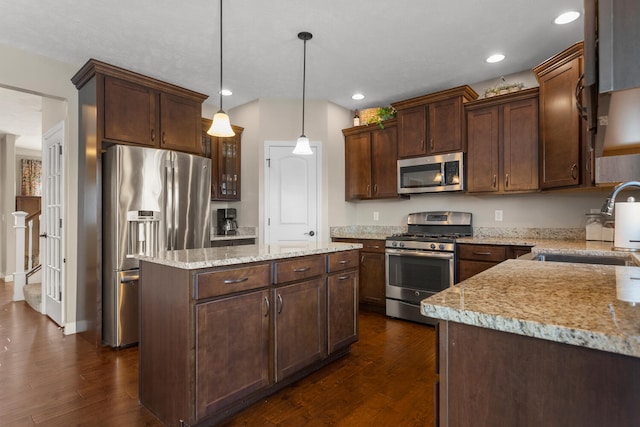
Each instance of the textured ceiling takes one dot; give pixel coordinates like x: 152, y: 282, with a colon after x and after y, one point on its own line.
x: 388, y: 50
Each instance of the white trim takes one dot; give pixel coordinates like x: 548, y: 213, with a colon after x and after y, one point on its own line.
x: 8, y: 278
x: 317, y: 147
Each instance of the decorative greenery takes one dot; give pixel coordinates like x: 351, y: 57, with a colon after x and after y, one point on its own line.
x: 382, y: 113
x: 503, y: 88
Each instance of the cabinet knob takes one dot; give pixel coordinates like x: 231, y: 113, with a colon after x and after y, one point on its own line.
x: 506, y: 180
x: 375, y: 188
x: 164, y: 138
x: 495, y: 181
x: 153, y: 135
x: 432, y: 145
x: 267, y: 305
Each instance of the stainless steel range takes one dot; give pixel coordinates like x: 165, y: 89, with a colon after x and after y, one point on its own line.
x: 421, y: 262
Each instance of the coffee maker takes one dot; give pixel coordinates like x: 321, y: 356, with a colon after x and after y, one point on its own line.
x: 227, y: 221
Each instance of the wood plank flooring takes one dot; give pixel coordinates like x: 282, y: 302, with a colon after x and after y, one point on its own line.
x: 48, y: 379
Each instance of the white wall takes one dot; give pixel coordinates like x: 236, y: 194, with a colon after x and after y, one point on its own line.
x: 7, y: 205
x: 50, y: 78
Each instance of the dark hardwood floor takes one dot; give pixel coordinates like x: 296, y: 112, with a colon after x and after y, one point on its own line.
x: 49, y: 379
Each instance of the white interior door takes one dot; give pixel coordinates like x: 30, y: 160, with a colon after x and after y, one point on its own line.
x: 292, y: 195
x: 52, y: 213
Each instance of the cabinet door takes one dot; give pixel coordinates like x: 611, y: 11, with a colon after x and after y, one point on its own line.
x: 560, y: 131
x: 384, y: 165
x: 228, y: 158
x: 357, y: 150
x: 232, y: 350
x: 342, y: 309
x: 483, y: 149
x: 412, y: 132
x: 180, y: 124
x: 300, y: 326
x: 130, y: 113
x: 520, y: 145
x: 372, y: 279
x: 445, y: 126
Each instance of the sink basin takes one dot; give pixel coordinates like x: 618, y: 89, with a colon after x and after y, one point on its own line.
x: 583, y: 259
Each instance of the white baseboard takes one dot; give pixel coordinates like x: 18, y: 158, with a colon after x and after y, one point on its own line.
x: 70, y: 328
x: 8, y: 278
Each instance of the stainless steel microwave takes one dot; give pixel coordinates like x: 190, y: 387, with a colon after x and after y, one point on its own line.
x: 431, y: 174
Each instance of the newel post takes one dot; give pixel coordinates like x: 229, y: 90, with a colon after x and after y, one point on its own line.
x: 19, y: 277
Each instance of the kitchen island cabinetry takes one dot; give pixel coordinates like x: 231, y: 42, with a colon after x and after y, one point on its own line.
x: 541, y: 343
x: 134, y: 109
x: 221, y: 328
x: 434, y: 123
x: 370, y: 162
x: 225, y: 162
x: 342, y: 300
x: 372, y: 273
x: 474, y: 258
x: 566, y: 159
x: 502, y: 139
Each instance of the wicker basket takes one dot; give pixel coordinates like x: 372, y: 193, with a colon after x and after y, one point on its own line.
x: 368, y: 114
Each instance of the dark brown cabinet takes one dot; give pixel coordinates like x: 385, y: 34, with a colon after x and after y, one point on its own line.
x: 300, y: 326
x: 215, y: 340
x: 372, y: 273
x: 502, y: 139
x: 342, y: 300
x: 370, y: 162
x: 225, y: 162
x: 434, y: 123
x: 472, y: 258
x: 138, y: 110
x: 232, y: 351
x: 566, y: 159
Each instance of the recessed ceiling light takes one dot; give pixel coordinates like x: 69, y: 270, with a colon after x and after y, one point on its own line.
x: 357, y: 96
x: 226, y: 92
x: 495, y: 58
x: 567, y: 17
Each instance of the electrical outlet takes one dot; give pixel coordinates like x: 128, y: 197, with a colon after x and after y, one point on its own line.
x: 376, y: 216
x: 498, y: 215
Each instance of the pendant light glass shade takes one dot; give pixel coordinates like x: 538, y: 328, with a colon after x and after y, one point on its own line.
x: 302, y: 144
x: 221, y: 125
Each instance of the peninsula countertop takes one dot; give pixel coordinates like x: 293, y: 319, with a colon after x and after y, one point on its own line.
x: 595, y: 306
x: 191, y: 259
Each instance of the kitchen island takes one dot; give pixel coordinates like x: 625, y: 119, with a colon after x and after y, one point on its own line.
x: 221, y: 328
x: 540, y: 343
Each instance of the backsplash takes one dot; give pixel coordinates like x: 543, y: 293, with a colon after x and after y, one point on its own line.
x: 530, y: 233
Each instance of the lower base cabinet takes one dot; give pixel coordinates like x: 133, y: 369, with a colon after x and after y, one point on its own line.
x: 300, y: 326
x: 492, y: 378
x: 232, y: 350
x: 214, y: 341
x: 472, y: 259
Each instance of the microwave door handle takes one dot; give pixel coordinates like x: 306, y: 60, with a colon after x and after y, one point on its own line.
x: 442, y: 171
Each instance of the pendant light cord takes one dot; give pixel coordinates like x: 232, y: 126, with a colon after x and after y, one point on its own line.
x: 220, y: 55
x: 304, y: 80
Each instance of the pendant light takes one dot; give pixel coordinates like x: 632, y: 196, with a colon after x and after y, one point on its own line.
x: 302, y: 144
x: 221, y: 125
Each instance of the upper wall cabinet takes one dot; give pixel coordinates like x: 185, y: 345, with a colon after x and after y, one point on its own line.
x: 502, y: 139
x: 225, y: 162
x: 371, y: 162
x: 434, y: 123
x: 129, y: 108
x: 566, y: 159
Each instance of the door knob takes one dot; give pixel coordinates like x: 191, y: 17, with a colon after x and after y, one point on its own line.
x: 43, y: 235
x: 311, y: 233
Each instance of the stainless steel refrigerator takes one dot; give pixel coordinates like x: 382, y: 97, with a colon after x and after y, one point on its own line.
x: 152, y: 200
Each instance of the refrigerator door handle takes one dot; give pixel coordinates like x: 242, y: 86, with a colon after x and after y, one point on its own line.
x: 174, y: 204
x: 168, y: 223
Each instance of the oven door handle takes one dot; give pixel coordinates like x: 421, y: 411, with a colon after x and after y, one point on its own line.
x: 420, y: 253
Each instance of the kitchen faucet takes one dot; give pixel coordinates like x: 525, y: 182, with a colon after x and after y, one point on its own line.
x: 607, y: 208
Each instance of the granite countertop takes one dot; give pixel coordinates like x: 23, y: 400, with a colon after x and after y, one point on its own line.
x: 191, y: 259
x: 594, y: 306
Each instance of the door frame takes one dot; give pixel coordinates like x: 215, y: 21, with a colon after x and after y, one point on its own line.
x: 317, y: 147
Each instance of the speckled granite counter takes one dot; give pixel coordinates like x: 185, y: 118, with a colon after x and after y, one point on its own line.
x: 578, y: 304
x: 191, y: 259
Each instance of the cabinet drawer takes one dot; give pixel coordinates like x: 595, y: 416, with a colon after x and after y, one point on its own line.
x: 372, y: 245
x: 299, y: 269
x: 343, y: 261
x: 224, y: 282
x: 483, y: 252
